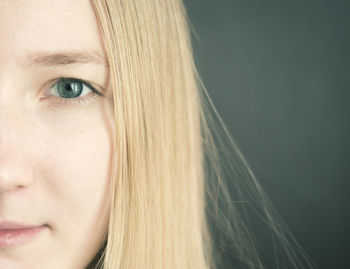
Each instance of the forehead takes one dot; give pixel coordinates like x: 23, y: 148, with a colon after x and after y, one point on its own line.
x: 32, y: 25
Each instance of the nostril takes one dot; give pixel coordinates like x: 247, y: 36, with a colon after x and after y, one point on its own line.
x: 14, y: 175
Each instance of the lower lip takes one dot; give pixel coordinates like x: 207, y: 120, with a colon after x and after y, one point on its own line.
x: 16, y: 237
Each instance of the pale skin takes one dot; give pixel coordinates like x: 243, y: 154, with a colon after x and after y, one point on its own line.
x: 55, y: 151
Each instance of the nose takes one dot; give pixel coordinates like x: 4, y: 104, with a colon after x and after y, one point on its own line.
x: 14, y: 174
x: 15, y: 163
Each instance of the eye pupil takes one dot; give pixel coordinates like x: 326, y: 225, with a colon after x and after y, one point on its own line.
x: 68, y: 88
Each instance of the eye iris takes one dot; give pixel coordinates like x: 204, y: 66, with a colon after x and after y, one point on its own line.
x: 69, y: 89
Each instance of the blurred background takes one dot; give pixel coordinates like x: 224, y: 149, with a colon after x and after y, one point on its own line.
x: 278, y: 72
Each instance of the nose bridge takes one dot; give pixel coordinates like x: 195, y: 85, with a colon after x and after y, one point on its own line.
x: 12, y: 73
x: 15, y: 164
x: 11, y: 100
x: 11, y: 121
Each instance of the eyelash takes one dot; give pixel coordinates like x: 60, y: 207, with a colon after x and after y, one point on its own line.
x: 85, y: 99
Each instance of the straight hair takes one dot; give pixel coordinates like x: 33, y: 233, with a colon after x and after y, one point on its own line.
x: 167, y: 183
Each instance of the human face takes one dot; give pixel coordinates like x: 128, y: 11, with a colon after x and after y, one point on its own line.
x: 56, y: 135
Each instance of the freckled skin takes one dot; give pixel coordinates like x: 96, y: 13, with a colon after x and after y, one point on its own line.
x: 55, y: 158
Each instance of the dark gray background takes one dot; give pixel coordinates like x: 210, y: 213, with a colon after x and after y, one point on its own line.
x: 278, y: 73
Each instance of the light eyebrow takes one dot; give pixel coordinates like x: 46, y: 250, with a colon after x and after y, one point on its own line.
x: 46, y: 58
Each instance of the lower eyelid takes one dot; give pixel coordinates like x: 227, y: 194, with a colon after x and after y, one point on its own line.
x: 85, y: 100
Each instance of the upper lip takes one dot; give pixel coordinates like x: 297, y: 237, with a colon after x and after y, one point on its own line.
x: 7, y: 225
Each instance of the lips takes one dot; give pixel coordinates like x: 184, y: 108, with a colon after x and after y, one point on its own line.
x: 15, y: 234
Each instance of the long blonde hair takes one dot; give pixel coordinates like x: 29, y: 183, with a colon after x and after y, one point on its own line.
x: 160, y: 184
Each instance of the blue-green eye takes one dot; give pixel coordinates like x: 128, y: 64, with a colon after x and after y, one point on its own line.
x: 70, y: 88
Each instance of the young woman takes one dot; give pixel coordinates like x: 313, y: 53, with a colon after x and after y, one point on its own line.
x: 104, y: 142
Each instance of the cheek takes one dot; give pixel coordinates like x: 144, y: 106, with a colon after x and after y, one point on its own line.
x: 74, y: 165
